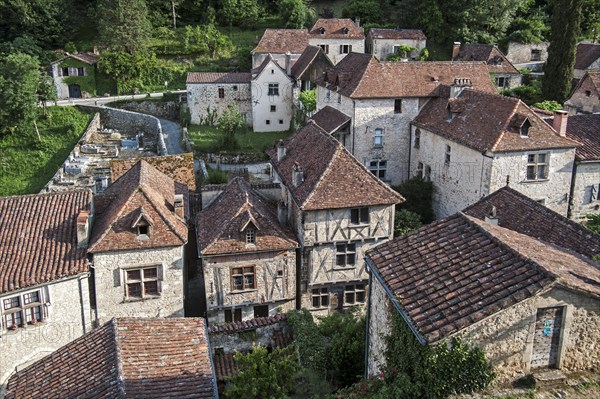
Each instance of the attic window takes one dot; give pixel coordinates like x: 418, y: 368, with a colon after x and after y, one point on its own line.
x: 142, y: 225
x: 322, y: 31
x: 524, y: 129
x: 345, y: 30
x: 588, y: 93
x: 250, y: 236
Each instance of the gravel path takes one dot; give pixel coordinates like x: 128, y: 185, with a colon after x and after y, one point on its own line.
x: 172, y: 134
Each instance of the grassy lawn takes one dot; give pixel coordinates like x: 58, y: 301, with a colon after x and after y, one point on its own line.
x: 26, y: 165
x: 208, y: 139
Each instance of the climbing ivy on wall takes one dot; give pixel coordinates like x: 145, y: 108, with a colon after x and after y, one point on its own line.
x: 86, y: 83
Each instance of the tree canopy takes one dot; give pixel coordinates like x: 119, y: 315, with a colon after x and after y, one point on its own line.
x: 123, y: 24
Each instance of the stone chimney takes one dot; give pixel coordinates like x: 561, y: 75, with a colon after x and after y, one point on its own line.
x: 280, y: 150
x: 288, y: 63
x: 297, y: 175
x: 559, y: 123
x: 492, y: 217
x: 455, y: 50
x: 83, y: 228
x: 178, y: 205
x: 357, y: 22
x: 458, y: 86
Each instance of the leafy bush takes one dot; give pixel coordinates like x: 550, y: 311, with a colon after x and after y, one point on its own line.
x: 406, y: 221
x: 309, y: 340
x: 216, y: 176
x: 549, y: 105
x: 529, y: 93
x: 593, y: 222
x: 308, y: 99
x: 419, y: 196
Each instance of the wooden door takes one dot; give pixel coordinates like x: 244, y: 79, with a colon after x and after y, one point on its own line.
x: 546, y: 340
x: 74, y: 91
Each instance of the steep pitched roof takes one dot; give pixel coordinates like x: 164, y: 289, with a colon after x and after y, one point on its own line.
x: 125, y: 358
x: 496, y: 60
x: 586, y: 54
x: 220, y: 225
x: 256, y: 72
x: 330, y: 119
x: 585, y: 129
x: 520, y: 213
x: 308, y: 56
x: 400, y: 34
x: 280, y: 41
x: 332, y: 177
x: 363, y: 76
x: 592, y: 77
x: 336, y: 28
x: 38, y: 238
x: 218, y: 77
x: 459, y: 270
x: 488, y: 122
x: 179, y: 167
x: 142, y: 189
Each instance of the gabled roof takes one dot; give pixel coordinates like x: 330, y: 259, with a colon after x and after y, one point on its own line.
x: 592, y: 77
x: 218, y: 77
x: 457, y: 271
x: 488, y: 122
x: 363, y: 76
x: 400, y: 34
x: 308, y: 56
x: 586, y: 54
x: 496, y: 60
x: 141, y: 186
x: 585, y: 129
x: 38, y: 238
x: 220, y: 225
x: 332, y: 177
x: 280, y: 41
x: 179, y: 167
x: 330, y: 119
x: 520, y: 213
x: 256, y: 72
x: 88, y: 58
x: 125, y: 358
x: 336, y: 28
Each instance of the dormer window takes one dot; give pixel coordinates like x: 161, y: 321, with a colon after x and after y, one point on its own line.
x: 524, y: 129
x: 451, y: 115
x: 322, y: 31
x: 345, y: 30
x: 141, y: 225
x: 143, y: 230
x: 250, y: 236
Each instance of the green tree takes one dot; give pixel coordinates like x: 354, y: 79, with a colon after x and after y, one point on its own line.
x: 123, y: 24
x: 263, y: 375
x: 19, y: 81
x: 297, y: 14
x: 46, y: 91
x: 242, y: 13
x: 308, y: 99
x: 593, y: 222
x: 558, y: 73
x: 419, y: 197
x: 369, y: 11
x: 406, y: 221
x: 231, y: 122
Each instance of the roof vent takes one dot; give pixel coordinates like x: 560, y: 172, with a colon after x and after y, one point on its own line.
x: 492, y: 217
x: 297, y: 175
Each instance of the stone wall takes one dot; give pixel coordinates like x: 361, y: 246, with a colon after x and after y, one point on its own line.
x: 130, y: 122
x: 519, y: 53
x: 109, y: 271
x: 381, y: 48
x: 334, y: 54
x: 242, y: 341
x: 585, y: 195
x: 380, y: 325
x: 204, y: 98
x: 69, y: 316
x: 160, y: 109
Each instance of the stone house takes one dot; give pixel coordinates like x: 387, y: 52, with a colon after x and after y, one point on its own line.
x: 338, y: 37
x: 501, y: 69
x: 272, y: 92
x: 137, y: 245
x: 248, y: 260
x: 467, y: 156
x: 384, y: 42
x: 337, y: 209
x: 528, y: 304
x: 382, y: 98
x: 211, y: 93
x: 587, y: 58
x: 283, y: 45
x: 528, y: 55
x: 45, y: 294
x: 125, y: 358
x: 74, y: 75
x: 585, y: 97
x: 309, y: 67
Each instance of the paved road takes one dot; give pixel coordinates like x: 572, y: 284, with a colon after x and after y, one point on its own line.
x: 173, y: 136
x: 104, y: 100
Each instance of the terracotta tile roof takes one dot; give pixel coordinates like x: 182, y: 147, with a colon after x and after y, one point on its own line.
x: 488, y: 122
x: 401, y: 34
x: 334, y: 28
x: 585, y: 129
x: 330, y: 119
x: 586, y: 54
x: 280, y: 41
x: 496, y: 60
x: 125, y: 358
x: 218, y: 77
x: 363, y: 76
x: 460, y: 270
x: 141, y: 190
x: 38, y: 238
x: 520, y: 213
x: 220, y: 226
x: 307, y: 57
x: 333, y: 178
x: 247, y: 325
x: 179, y: 167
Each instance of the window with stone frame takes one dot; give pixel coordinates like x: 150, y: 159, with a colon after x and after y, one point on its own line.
x: 378, y: 138
x: 354, y: 294
x: 537, y: 166
x: 243, y: 278
x: 250, y: 236
x: 345, y: 255
x: 378, y: 167
x: 359, y: 215
x: 221, y: 92
x: 501, y: 82
x: 420, y: 170
x: 233, y: 315
x: 325, y: 48
x: 143, y: 282
x: 273, y: 89
x: 417, y: 142
x: 320, y: 297
x: 19, y: 310
x: 345, y: 48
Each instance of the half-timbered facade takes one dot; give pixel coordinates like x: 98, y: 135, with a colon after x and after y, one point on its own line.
x: 338, y: 210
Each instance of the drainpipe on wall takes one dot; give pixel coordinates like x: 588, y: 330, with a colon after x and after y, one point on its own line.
x: 572, y: 189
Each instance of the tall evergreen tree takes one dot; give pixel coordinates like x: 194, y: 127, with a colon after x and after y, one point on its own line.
x: 124, y: 24
x: 565, y: 28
